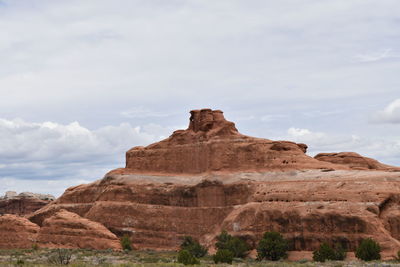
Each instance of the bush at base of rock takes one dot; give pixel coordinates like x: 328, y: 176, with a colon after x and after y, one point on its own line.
x: 223, y: 256
x: 193, y: 247
x: 368, y: 250
x: 186, y: 258
x: 272, y: 247
x: 234, y: 244
x: 60, y: 256
x: 126, y: 242
x: 326, y: 252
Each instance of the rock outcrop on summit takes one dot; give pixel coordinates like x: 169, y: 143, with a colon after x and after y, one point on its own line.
x: 212, y: 143
x: 210, y: 177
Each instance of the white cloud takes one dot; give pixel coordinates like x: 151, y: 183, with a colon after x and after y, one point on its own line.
x: 391, y: 113
x: 386, y: 150
x: 51, y: 151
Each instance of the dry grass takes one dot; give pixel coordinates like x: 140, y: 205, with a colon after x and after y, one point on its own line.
x: 108, y: 258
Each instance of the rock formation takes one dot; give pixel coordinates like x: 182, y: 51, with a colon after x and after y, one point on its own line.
x: 23, y: 203
x: 210, y: 177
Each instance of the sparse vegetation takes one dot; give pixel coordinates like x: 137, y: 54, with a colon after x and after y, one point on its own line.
x: 126, y: 242
x: 272, y: 247
x: 146, y: 258
x: 193, y: 247
x: 234, y: 244
x: 368, y: 250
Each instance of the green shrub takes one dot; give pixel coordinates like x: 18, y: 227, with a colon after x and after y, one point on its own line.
x: 272, y: 247
x: 340, y: 253
x: 126, y: 242
x: 326, y: 252
x: 20, y: 262
x: 398, y: 255
x: 193, y: 247
x: 234, y: 244
x: 368, y: 250
x: 223, y: 256
x: 186, y: 258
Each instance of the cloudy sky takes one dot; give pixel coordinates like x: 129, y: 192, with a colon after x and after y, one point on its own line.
x: 83, y: 81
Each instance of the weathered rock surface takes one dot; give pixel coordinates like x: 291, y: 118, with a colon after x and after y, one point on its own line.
x: 210, y: 177
x: 23, y: 203
x: 354, y: 161
x: 17, y: 232
x: 69, y: 230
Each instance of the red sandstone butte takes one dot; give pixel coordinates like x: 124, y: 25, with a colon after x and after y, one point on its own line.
x: 210, y: 177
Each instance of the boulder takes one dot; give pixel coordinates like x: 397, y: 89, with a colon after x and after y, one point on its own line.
x: 17, y: 232
x: 68, y: 230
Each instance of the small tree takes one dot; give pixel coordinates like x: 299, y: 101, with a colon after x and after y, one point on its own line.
x: 272, y: 247
x: 186, y: 258
x: 126, y: 242
x: 223, y: 256
x: 193, y: 247
x: 340, y: 253
x: 234, y: 244
x: 368, y: 250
